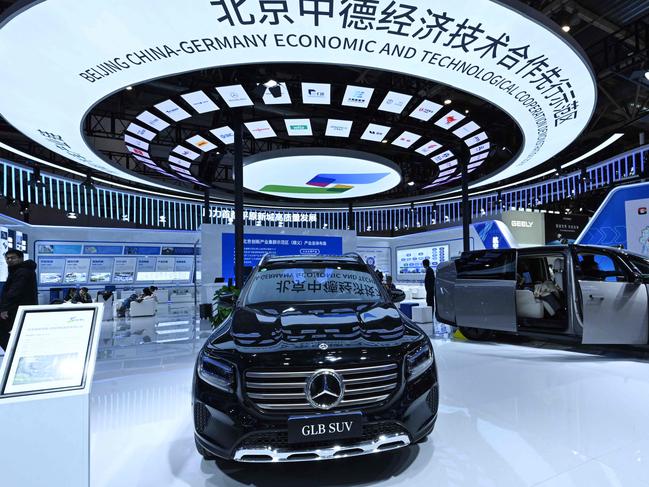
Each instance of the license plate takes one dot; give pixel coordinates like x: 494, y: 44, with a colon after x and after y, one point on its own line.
x: 311, y: 429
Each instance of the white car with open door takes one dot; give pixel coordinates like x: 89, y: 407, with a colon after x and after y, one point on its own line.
x: 595, y: 294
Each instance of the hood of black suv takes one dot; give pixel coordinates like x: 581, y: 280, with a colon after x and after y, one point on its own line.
x: 267, y: 326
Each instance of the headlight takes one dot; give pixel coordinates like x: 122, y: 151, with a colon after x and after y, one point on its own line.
x: 215, y: 372
x: 419, y: 360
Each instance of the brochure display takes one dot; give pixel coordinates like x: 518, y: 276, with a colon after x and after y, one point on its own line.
x: 45, y: 383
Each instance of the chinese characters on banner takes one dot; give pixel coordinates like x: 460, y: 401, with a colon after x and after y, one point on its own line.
x: 265, y: 216
x: 434, y: 25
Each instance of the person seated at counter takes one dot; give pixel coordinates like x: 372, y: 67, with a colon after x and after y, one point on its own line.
x: 84, y: 296
x: 71, y: 296
x: 126, y: 304
x: 153, y: 289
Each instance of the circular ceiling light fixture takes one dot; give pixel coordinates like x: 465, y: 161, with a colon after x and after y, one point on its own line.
x: 321, y: 174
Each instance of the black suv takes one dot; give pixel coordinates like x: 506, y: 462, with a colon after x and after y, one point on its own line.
x: 315, y: 362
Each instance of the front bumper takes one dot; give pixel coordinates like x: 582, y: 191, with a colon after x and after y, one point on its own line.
x: 366, y: 447
x: 228, y: 428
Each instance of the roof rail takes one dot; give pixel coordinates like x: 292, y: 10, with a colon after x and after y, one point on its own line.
x: 356, y: 255
x: 264, y: 258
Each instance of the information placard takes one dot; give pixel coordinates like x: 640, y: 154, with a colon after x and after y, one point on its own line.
x: 101, y: 269
x: 124, y: 270
x: 76, y: 270
x: 50, y: 349
x: 50, y: 270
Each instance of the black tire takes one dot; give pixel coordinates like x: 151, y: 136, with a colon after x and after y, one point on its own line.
x: 475, y: 334
x: 203, y: 452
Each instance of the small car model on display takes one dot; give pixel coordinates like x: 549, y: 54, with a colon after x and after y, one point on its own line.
x: 314, y: 362
x: 594, y: 294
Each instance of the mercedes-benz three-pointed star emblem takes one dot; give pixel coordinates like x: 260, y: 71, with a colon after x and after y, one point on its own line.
x: 325, y: 389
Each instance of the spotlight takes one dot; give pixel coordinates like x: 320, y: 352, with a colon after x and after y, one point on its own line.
x: 411, y: 183
x: 385, y: 141
x: 129, y: 88
x: 646, y: 75
x: 24, y: 208
x: 565, y: 28
x: 72, y: 215
x: 162, y: 219
x: 125, y: 217
x: 276, y: 91
x: 271, y: 83
x: 10, y: 201
x: 448, y: 101
x: 466, y: 111
x: 368, y: 228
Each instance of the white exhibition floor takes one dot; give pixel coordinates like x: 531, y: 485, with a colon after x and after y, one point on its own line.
x: 510, y: 415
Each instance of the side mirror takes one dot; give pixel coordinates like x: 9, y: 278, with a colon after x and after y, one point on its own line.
x: 227, y: 300
x: 397, y: 295
x: 641, y: 278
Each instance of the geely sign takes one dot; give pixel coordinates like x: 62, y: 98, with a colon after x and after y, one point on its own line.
x: 62, y: 64
x: 319, y: 174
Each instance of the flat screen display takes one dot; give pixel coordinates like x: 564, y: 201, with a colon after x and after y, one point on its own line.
x: 409, y: 260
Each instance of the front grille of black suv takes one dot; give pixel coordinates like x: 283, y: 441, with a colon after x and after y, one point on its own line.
x: 283, y: 390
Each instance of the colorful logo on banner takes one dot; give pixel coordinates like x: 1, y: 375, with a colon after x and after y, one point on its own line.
x: 327, y: 183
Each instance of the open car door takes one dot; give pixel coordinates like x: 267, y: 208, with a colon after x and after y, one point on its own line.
x: 614, y: 308
x: 485, y: 288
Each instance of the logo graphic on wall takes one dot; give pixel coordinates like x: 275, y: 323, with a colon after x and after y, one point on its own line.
x: 327, y: 183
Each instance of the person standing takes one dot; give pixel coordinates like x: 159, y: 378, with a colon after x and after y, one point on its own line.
x: 429, y: 283
x: 19, y: 289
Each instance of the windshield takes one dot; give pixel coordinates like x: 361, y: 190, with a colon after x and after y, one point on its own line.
x: 297, y: 284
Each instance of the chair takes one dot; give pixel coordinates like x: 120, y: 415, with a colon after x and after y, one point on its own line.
x: 145, y: 308
x: 109, y: 312
x: 527, y: 306
x: 422, y: 315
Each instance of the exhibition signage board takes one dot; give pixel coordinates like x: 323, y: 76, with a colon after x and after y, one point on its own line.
x: 45, y: 383
x: 563, y: 228
x: 378, y: 258
x: 487, y: 48
x: 74, y: 264
x: 50, y: 349
x: 637, y: 225
x: 527, y: 227
x: 255, y: 246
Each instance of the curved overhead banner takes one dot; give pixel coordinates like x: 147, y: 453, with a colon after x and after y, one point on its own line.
x: 77, y: 53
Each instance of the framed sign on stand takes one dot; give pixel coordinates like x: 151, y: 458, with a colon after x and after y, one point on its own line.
x: 45, y: 382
